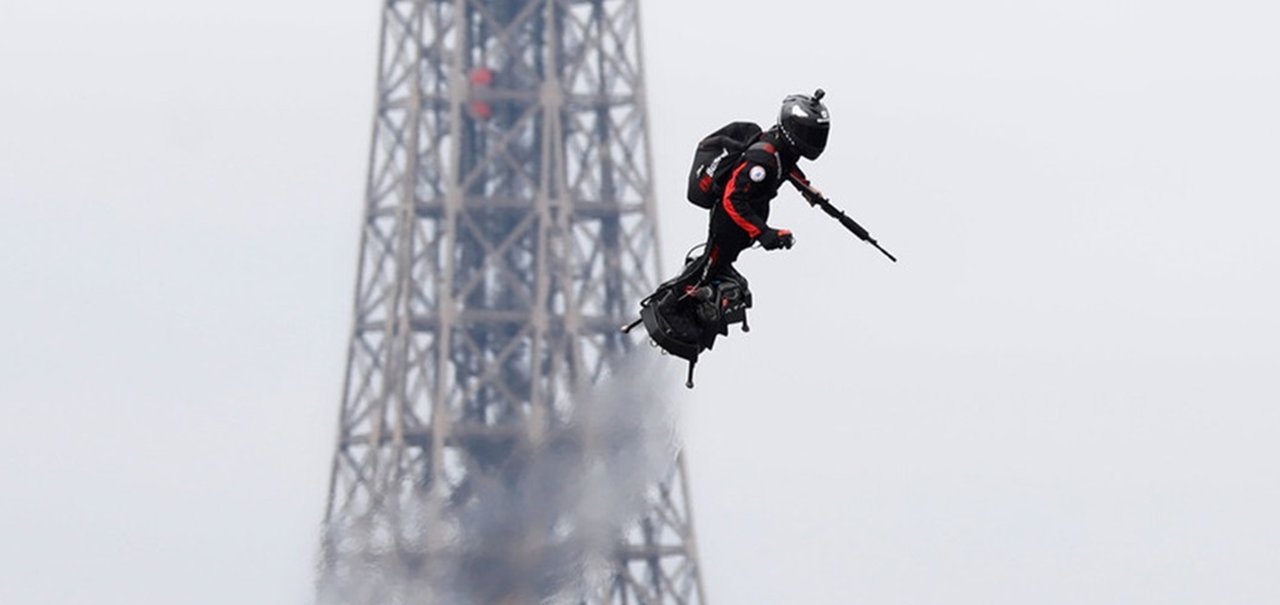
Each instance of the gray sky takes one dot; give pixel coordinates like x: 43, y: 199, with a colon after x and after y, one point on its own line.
x: 1064, y: 393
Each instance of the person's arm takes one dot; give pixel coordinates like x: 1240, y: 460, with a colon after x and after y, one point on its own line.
x: 736, y: 200
x: 802, y: 184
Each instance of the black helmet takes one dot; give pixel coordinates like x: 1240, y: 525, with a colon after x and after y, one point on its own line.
x: 805, y: 122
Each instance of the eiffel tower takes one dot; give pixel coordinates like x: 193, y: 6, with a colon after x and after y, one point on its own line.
x: 509, y: 230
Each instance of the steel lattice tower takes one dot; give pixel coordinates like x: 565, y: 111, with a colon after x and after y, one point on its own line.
x: 509, y: 230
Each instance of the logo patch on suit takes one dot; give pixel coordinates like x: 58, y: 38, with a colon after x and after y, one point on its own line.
x: 757, y: 173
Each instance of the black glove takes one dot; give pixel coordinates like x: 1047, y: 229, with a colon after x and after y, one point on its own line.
x: 772, y: 239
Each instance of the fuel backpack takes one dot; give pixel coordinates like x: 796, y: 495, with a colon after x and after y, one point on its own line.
x: 715, y: 159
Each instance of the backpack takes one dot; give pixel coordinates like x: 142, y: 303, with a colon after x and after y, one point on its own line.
x: 715, y: 158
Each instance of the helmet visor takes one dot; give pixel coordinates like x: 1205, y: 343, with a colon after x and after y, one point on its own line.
x: 812, y: 137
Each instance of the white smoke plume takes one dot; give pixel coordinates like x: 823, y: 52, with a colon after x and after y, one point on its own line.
x: 542, y: 528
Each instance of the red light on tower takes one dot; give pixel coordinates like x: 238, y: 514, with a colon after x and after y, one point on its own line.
x: 481, y: 81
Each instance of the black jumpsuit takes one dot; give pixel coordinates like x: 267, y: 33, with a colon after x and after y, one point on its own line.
x: 740, y: 216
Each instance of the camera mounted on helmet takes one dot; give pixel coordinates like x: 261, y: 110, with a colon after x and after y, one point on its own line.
x: 805, y: 123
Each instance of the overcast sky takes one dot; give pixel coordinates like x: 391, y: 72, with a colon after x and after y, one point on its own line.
x: 1065, y: 392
